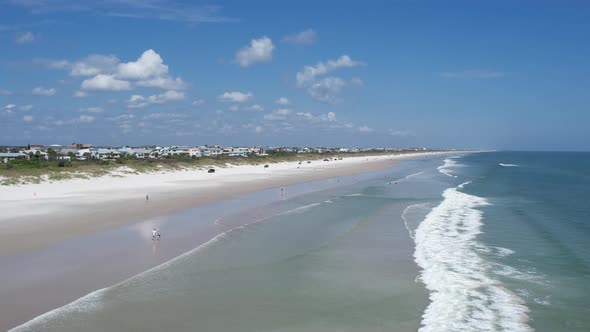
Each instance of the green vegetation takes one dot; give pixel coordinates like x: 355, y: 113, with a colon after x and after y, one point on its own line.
x: 38, y: 169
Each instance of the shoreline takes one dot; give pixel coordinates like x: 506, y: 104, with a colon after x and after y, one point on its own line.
x: 53, y: 280
x: 37, y: 215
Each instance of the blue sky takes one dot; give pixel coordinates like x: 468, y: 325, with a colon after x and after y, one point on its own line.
x: 463, y: 74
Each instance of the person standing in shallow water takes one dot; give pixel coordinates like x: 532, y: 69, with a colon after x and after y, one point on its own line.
x: 153, y: 234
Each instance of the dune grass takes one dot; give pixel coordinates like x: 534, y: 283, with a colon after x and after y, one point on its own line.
x: 35, y: 171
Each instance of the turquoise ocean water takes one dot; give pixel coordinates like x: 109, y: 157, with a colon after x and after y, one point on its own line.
x: 478, y: 242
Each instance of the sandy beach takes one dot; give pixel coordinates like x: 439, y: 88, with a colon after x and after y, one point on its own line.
x: 36, y: 215
x: 53, y: 244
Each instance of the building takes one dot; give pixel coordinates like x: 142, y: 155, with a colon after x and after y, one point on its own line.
x: 7, y: 156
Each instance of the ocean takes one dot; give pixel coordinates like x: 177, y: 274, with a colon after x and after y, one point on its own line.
x: 493, y: 241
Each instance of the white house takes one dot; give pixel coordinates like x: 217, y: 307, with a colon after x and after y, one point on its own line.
x: 6, y: 156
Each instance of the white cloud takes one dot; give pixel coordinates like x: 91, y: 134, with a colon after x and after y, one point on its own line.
x: 401, y: 133
x: 283, y: 101
x: 80, y: 94
x: 325, y: 89
x: 165, y: 83
x: 28, y: 118
x: 328, y: 117
x: 139, y: 101
x: 148, y: 70
x: 92, y: 109
x: 105, y: 82
x: 331, y: 116
x: 25, y: 38
x: 41, y: 91
x: 9, y: 107
x: 258, y: 129
x: 254, y: 108
x: 259, y: 51
x: 280, y: 114
x: 309, y: 73
x: 156, y: 10
x: 305, y: 37
x: 233, y: 108
x: 198, y: 102
x: 364, y: 129
x: 474, y: 73
x: 236, y: 97
x: 148, y: 65
x: 93, y: 64
x: 26, y: 107
x: 87, y: 118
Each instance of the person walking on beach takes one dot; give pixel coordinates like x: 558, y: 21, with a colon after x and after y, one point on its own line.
x: 159, y: 235
x: 153, y: 234
x: 147, y: 197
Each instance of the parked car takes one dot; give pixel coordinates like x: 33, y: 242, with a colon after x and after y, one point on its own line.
x: 211, y: 170
x: 265, y: 166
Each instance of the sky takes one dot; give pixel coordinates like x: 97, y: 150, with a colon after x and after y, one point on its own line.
x: 440, y: 74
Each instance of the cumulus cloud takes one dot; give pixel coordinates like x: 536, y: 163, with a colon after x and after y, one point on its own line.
x: 198, y: 102
x: 165, y: 83
x: 325, y: 89
x: 9, y: 108
x: 309, y: 73
x: 93, y: 64
x: 328, y: 117
x: 107, y: 72
x: 25, y: 108
x: 28, y: 118
x: 148, y: 65
x: 25, y: 38
x: 254, y: 108
x: 236, y: 97
x: 305, y: 37
x: 105, y: 82
x: 41, y: 91
x: 258, y: 129
x: 139, y: 101
x: 87, y: 118
x: 259, y: 51
x: 280, y: 114
x: 474, y: 73
x: 365, y: 129
x: 80, y: 94
x: 283, y: 101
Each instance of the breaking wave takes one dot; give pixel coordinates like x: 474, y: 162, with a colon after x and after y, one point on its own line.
x: 463, y: 293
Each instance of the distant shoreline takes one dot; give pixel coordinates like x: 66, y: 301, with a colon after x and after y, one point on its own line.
x: 34, y: 171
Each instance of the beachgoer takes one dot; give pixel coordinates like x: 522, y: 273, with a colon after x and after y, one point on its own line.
x: 147, y: 197
x: 153, y: 234
x: 159, y: 235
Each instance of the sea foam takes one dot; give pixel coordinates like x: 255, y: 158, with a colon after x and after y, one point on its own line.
x: 445, y: 168
x: 464, y: 296
x: 507, y: 165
